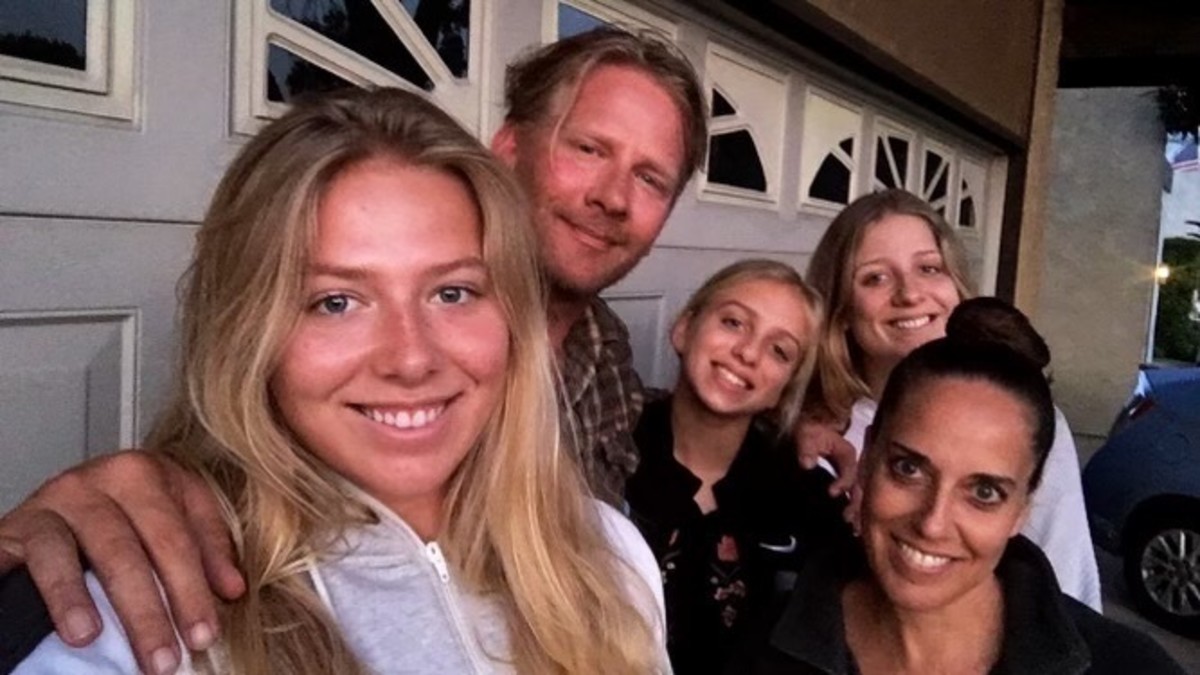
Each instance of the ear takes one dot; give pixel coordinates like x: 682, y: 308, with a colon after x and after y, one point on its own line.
x: 679, y: 333
x: 504, y: 144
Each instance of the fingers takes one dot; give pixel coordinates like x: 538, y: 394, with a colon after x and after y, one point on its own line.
x: 211, y: 532
x: 853, y: 512
x: 44, y: 542
x: 111, y: 542
x: 148, y: 493
x: 812, y: 443
x: 123, y: 511
x: 844, y: 459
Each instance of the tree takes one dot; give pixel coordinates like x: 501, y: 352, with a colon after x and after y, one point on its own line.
x: 1176, y: 333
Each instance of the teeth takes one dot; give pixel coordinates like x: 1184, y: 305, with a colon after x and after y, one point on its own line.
x: 728, y: 376
x: 909, y: 324
x: 404, y: 419
x: 922, y: 559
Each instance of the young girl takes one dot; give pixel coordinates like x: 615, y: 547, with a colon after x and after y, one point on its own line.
x: 367, y: 384
x: 719, y: 493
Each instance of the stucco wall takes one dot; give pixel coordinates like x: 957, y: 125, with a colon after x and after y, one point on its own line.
x: 1100, y: 245
x: 982, y: 53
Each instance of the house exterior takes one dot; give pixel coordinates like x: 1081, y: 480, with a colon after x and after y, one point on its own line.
x: 114, y: 132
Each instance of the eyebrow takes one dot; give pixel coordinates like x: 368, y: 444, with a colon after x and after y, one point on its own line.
x: 874, y: 261
x: 924, y: 461
x: 358, y: 273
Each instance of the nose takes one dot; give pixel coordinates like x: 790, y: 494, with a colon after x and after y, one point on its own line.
x: 406, y: 347
x: 934, y: 520
x: 610, y: 191
x: 747, y: 350
x: 908, y: 290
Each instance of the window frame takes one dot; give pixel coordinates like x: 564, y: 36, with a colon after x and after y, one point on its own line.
x: 884, y: 128
x: 831, y: 95
x: 106, y: 88
x: 773, y: 171
x: 257, y: 26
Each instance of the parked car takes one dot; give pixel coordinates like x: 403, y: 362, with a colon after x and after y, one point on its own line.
x: 1142, y: 490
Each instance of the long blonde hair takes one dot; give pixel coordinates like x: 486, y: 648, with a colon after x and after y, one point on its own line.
x: 786, y: 411
x: 518, y: 523
x: 838, y: 381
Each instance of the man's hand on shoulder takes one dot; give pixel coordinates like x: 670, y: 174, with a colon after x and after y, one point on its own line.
x: 133, y: 515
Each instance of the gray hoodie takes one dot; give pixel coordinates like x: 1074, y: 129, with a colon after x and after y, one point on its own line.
x: 396, y: 601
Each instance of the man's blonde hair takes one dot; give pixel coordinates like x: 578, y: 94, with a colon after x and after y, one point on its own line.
x: 536, y: 82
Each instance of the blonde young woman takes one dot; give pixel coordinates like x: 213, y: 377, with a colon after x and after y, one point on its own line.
x: 719, y: 493
x: 892, y: 271
x: 366, y: 382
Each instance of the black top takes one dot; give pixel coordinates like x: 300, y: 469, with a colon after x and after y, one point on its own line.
x: 24, y: 621
x: 1045, y: 631
x: 722, y: 567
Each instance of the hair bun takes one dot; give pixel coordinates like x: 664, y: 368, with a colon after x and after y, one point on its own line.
x: 992, y: 321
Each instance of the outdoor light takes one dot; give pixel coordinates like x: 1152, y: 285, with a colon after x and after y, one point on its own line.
x: 1162, y: 273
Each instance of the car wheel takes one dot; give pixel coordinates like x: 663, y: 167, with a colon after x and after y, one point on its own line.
x: 1162, y: 571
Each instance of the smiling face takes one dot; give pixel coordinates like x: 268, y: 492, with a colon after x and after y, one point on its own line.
x: 901, y: 293
x: 399, y: 357
x: 946, y: 484
x: 741, y: 349
x: 602, y: 173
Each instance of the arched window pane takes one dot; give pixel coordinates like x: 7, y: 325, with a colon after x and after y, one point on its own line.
x: 966, y: 208
x: 721, y: 105
x: 899, y: 149
x: 832, y: 182
x: 883, y: 172
x: 356, y: 25
x: 289, y: 77
x: 733, y: 160
x: 446, y: 24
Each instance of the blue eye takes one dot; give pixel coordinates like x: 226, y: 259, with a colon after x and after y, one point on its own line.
x: 334, y: 304
x: 454, y: 295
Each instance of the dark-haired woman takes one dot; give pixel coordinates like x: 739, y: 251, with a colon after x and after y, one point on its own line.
x: 942, y: 581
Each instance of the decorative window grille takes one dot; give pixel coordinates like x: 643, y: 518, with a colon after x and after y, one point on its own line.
x: 748, y: 100
x: 893, y: 152
x: 288, y: 48
x: 829, y: 153
x: 971, y: 193
x: 937, y: 168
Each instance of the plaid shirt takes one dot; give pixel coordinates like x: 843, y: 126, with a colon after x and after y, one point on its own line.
x: 601, y: 397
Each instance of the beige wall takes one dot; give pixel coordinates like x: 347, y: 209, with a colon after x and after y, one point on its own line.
x: 984, y: 54
x: 1100, y: 247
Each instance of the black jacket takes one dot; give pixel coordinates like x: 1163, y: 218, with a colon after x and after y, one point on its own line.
x: 1045, y: 631
x: 720, y: 569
